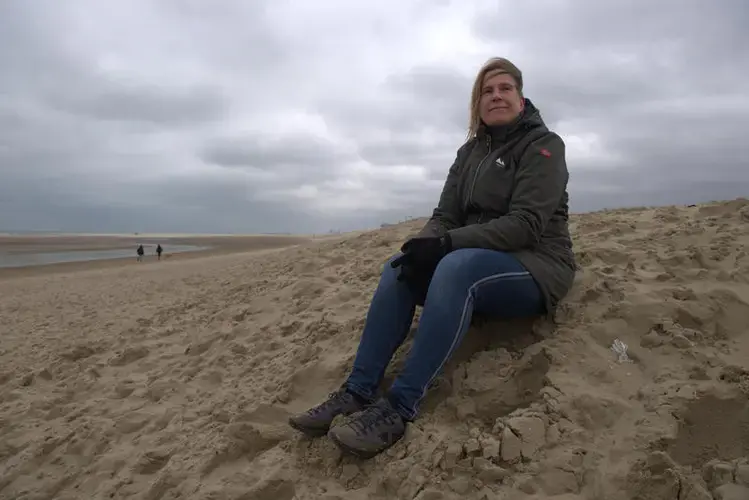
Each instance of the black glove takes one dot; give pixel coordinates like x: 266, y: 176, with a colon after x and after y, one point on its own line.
x: 427, y: 251
x: 414, y: 277
x: 408, y: 267
x: 421, y: 256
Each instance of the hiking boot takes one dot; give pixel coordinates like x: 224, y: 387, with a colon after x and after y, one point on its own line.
x: 316, y: 421
x: 370, y: 431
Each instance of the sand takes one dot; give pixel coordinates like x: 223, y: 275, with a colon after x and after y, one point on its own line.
x: 21, y: 243
x: 175, y: 380
x: 212, y: 244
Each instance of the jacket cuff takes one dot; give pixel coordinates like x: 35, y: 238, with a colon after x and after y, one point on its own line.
x: 460, y: 237
x: 447, y: 242
x: 429, y: 230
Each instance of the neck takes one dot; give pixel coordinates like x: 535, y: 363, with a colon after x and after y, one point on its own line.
x: 499, y: 133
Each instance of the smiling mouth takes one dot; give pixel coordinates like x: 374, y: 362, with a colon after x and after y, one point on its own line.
x: 497, y: 109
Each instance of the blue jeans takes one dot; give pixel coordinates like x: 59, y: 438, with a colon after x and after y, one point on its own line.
x: 492, y: 283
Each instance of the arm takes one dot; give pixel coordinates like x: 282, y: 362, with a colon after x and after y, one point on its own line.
x: 448, y: 213
x: 540, y: 183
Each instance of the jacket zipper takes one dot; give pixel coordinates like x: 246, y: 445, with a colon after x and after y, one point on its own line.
x: 478, y: 169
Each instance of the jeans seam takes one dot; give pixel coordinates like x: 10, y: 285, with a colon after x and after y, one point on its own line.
x: 359, y: 391
x: 482, y: 281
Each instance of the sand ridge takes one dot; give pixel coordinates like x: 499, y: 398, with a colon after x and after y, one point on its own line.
x: 164, y: 382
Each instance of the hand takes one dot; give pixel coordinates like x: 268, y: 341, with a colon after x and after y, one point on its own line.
x: 406, y: 263
x: 415, y: 277
x: 419, y: 260
x: 421, y: 256
x: 427, y: 251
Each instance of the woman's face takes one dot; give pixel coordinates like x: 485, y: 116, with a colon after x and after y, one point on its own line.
x: 500, y: 101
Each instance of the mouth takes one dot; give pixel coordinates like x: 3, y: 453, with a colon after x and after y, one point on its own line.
x: 502, y: 108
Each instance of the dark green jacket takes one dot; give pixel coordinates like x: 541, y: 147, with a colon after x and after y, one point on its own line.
x: 493, y: 199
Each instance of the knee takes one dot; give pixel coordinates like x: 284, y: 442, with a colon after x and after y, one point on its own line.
x: 453, y: 265
x: 452, y: 278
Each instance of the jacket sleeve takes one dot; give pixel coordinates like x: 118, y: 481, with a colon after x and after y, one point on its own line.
x: 540, y: 183
x: 448, y: 214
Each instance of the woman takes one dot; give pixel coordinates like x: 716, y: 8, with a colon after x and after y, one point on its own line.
x: 497, y: 244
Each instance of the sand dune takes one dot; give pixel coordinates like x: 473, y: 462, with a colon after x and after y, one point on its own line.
x: 165, y: 382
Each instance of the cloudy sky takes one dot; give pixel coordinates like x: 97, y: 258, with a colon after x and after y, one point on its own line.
x: 299, y: 116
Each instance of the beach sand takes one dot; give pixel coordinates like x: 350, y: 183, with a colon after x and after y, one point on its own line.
x: 214, y: 245
x: 175, y: 380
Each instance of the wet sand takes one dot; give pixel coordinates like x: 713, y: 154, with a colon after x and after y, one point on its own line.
x: 217, y: 245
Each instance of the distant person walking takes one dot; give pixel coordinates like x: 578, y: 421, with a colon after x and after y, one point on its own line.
x: 140, y: 253
x: 158, y: 251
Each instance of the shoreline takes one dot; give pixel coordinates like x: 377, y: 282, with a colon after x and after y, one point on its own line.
x: 214, y: 245
x: 50, y: 243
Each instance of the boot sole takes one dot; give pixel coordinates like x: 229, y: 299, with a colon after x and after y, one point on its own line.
x: 308, y: 431
x: 366, y: 455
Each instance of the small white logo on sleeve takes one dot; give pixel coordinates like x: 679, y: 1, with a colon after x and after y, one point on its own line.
x: 500, y: 162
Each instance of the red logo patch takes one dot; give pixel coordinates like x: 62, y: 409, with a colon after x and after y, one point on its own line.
x: 545, y: 152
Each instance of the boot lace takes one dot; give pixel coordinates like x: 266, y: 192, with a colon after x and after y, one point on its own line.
x: 371, y: 418
x: 334, y: 399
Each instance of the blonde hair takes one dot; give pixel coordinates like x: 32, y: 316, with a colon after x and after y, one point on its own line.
x: 498, y: 66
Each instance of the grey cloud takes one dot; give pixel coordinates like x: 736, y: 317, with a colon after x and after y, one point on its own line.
x: 427, y: 89
x: 267, y: 152
x: 424, y: 97
x: 151, y: 104
x: 419, y: 118
x: 590, y: 56
x: 278, y: 162
x: 86, y: 147
x: 223, y: 204
x: 408, y: 149
x: 639, y: 24
x: 651, y: 79
x: 233, y: 34
x: 214, y: 205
